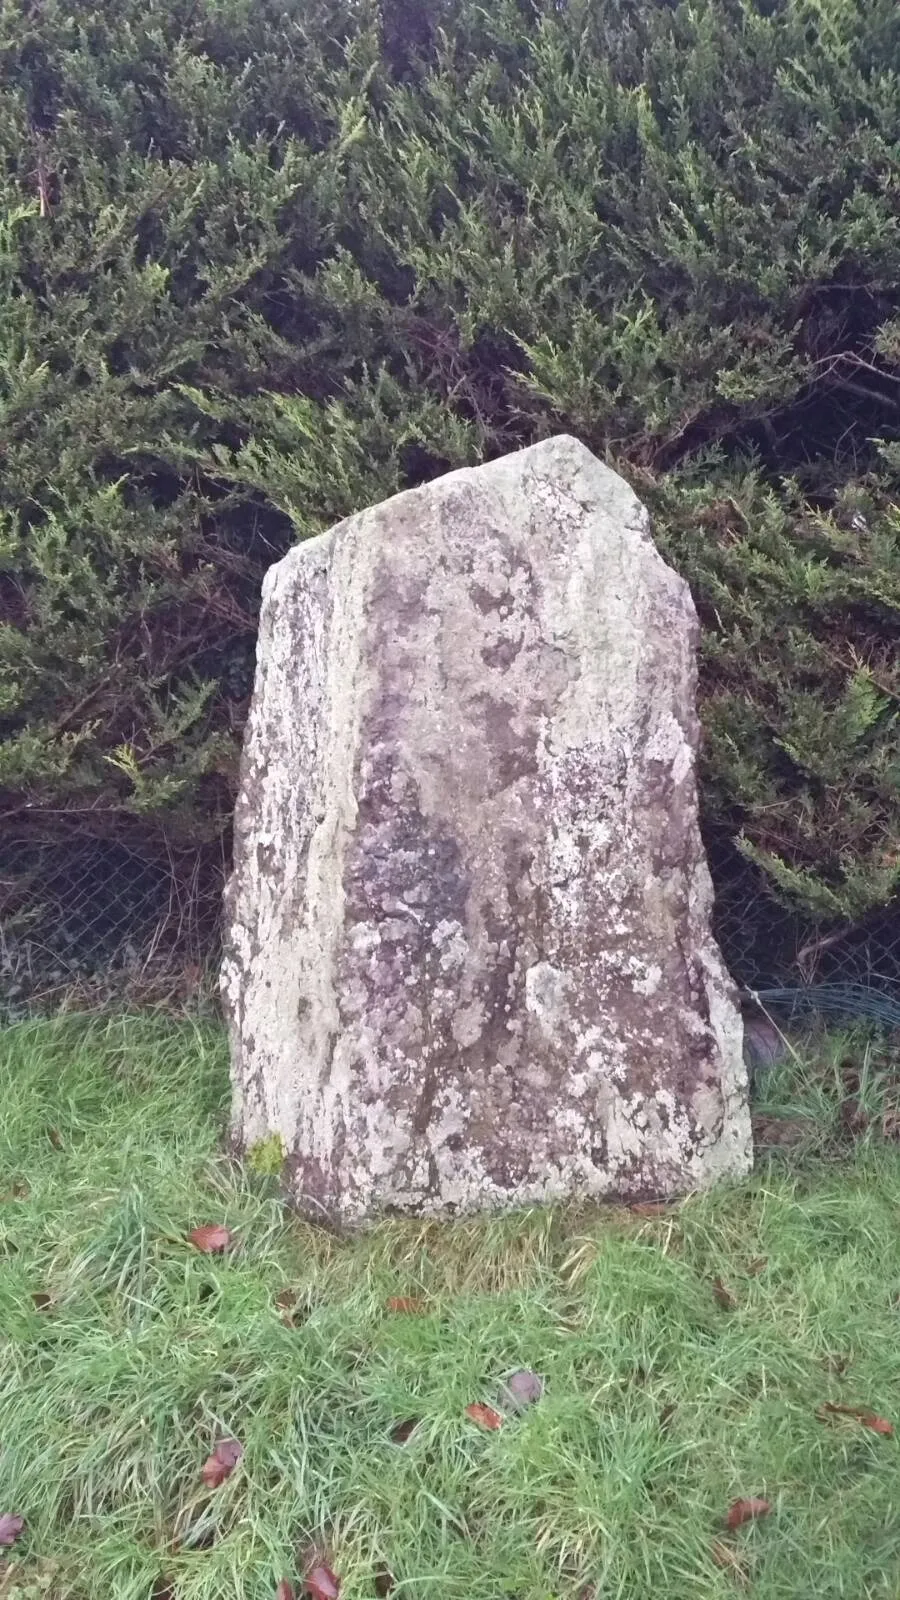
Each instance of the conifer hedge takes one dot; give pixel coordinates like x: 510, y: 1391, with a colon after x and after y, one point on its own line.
x: 263, y: 262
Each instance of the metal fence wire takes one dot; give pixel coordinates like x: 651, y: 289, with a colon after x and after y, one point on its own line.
x: 768, y: 945
x: 97, y: 920
x: 109, y: 920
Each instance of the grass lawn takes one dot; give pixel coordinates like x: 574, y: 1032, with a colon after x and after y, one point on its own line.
x: 126, y: 1355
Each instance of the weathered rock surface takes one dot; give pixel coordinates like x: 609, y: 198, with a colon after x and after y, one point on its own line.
x: 469, y: 959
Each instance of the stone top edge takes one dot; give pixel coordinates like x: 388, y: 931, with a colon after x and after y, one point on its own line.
x: 559, y: 445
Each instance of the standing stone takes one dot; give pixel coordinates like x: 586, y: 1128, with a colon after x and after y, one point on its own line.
x: 469, y: 960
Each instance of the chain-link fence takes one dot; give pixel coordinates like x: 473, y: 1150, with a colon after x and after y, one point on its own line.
x: 101, y: 919
x: 766, y: 944
x: 96, y: 920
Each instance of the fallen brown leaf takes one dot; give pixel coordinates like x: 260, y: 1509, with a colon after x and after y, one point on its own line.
x: 746, y: 1511
x: 854, y: 1117
x: 293, y: 1307
x: 890, y: 1123
x: 758, y: 1265
x: 850, y: 1078
x: 406, y: 1305
x: 725, y: 1556
x: 404, y: 1430
x: 724, y: 1297
x: 868, y: 1419
x: 485, y: 1416
x: 221, y: 1463
x: 836, y: 1363
x: 211, y: 1239
x: 285, y: 1590
x: 781, y: 1131
x: 523, y: 1389
x: 191, y: 974
x: 385, y: 1582
x: 10, y: 1529
x: 323, y: 1584
x: 650, y: 1208
x: 41, y: 1300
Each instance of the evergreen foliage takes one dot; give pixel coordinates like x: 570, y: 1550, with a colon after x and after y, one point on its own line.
x: 263, y: 262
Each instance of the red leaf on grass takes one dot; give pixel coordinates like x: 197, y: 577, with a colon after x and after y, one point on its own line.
x: 211, y: 1239
x: 868, y: 1419
x: 485, y: 1416
x: 221, y: 1463
x: 724, y: 1297
x: 746, y: 1511
x: 10, y: 1528
x: 285, y: 1590
x: 406, y: 1305
x: 323, y: 1584
x: 877, y: 1424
